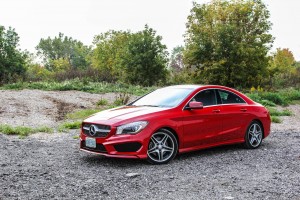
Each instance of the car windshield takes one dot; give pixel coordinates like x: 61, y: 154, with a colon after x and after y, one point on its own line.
x: 164, y: 97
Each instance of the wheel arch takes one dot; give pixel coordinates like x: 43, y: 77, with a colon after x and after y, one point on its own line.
x: 262, y: 125
x: 172, y: 131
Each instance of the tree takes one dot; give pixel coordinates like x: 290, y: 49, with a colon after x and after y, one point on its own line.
x: 63, y: 53
x: 109, y: 52
x: 176, y: 62
x: 12, y: 60
x: 145, y: 59
x: 282, y: 62
x: 228, y: 42
x: 283, y: 68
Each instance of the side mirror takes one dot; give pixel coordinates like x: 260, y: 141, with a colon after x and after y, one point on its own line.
x: 194, y: 105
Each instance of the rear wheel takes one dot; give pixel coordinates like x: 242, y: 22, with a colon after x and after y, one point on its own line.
x: 162, y: 148
x: 254, y: 135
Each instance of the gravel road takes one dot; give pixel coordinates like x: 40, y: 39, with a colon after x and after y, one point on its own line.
x: 50, y: 166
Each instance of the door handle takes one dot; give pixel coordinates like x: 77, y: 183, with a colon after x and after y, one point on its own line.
x: 243, y: 109
x: 216, y: 111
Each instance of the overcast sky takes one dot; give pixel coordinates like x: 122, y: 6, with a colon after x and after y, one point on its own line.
x: 83, y: 19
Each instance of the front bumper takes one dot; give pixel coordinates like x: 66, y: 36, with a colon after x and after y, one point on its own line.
x: 121, y: 146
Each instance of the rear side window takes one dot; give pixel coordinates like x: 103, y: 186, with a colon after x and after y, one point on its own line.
x: 229, y: 97
x: 207, y: 97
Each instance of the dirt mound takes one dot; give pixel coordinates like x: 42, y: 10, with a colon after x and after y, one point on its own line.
x: 36, y: 108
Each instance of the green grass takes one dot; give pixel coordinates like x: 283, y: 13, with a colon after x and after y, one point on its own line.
x: 70, y: 125
x: 280, y: 97
x: 23, y: 130
x: 76, y: 84
x: 81, y: 114
x: 275, y: 112
x: 76, y: 137
x: 102, y: 102
x: 275, y: 119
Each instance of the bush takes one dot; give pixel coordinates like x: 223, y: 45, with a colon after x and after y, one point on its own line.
x: 102, y: 102
x: 275, y: 112
x: 275, y: 119
x: 275, y: 98
x: 70, y: 125
x: 86, y: 86
x: 22, y: 130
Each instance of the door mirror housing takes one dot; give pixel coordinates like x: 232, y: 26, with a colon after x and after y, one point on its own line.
x: 194, y: 105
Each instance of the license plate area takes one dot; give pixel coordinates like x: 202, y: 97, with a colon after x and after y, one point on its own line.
x: 90, y: 142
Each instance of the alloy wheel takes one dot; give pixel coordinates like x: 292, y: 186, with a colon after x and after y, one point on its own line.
x: 162, y: 147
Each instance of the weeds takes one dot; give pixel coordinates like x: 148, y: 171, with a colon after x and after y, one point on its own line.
x: 122, y: 99
x: 69, y: 125
x: 77, y: 84
x: 81, y: 114
x: 275, y: 112
x: 22, y: 130
x: 102, y: 102
x: 275, y: 119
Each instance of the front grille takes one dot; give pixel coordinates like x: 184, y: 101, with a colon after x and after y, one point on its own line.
x: 98, y: 130
x: 99, y: 147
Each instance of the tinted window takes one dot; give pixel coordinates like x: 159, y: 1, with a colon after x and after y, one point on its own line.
x: 164, y: 97
x: 207, y: 97
x: 229, y: 97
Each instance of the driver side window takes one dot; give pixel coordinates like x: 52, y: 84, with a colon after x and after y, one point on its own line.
x: 207, y: 97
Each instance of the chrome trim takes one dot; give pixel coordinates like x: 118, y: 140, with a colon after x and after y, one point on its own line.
x: 97, y: 129
x: 216, y: 99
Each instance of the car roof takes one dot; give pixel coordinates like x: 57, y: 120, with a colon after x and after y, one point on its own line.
x: 185, y: 86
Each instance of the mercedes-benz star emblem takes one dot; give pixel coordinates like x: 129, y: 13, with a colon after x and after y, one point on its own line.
x: 93, y: 130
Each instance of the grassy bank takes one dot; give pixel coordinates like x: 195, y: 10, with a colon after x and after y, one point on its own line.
x: 23, y: 131
x: 85, y: 86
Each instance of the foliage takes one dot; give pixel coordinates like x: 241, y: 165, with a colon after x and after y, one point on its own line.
x: 136, y: 58
x: 122, y: 99
x: 109, y: 52
x: 70, y: 125
x: 280, y: 97
x: 86, y: 86
x: 228, y: 41
x: 22, y: 130
x: 176, y: 61
x: 283, y: 69
x: 146, y: 58
x: 102, y: 102
x: 275, y: 98
x: 12, y: 60
x: 275, y: 119
x: 81, y: 114
x: 275, y: 112
x: 63, y: 53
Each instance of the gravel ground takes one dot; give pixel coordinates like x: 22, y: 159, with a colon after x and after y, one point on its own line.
x: 50, y: 166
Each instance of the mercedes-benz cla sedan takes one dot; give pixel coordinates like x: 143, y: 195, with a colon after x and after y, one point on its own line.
x: 174, y: 120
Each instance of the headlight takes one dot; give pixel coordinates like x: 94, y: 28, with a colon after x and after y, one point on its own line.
x: 131, y: 128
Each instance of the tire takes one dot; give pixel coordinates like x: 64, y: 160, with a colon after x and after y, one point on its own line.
x: 162, y: 147
x: 254, y: 135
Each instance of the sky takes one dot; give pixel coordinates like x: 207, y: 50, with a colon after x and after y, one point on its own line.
x: 83, y: 19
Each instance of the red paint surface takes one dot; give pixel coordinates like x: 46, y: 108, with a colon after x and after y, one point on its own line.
x: 195, y: 129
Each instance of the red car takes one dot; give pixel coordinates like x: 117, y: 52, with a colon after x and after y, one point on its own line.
x: 174, y: 120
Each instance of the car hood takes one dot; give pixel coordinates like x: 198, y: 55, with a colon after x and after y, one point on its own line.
x: 116, y: 115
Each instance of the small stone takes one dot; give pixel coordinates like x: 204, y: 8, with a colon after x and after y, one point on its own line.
x: 229, y: 197
x: 132, y: 175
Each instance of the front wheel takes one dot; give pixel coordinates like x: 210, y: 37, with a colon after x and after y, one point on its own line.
x: 254, y: 135
x: 162, y: 148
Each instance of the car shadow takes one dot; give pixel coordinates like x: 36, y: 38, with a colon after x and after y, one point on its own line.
x: 203, y: 153
x: 115, y: 162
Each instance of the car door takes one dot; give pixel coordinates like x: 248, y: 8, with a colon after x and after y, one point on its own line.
x: 201, y: 126
x: 234, y: 115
